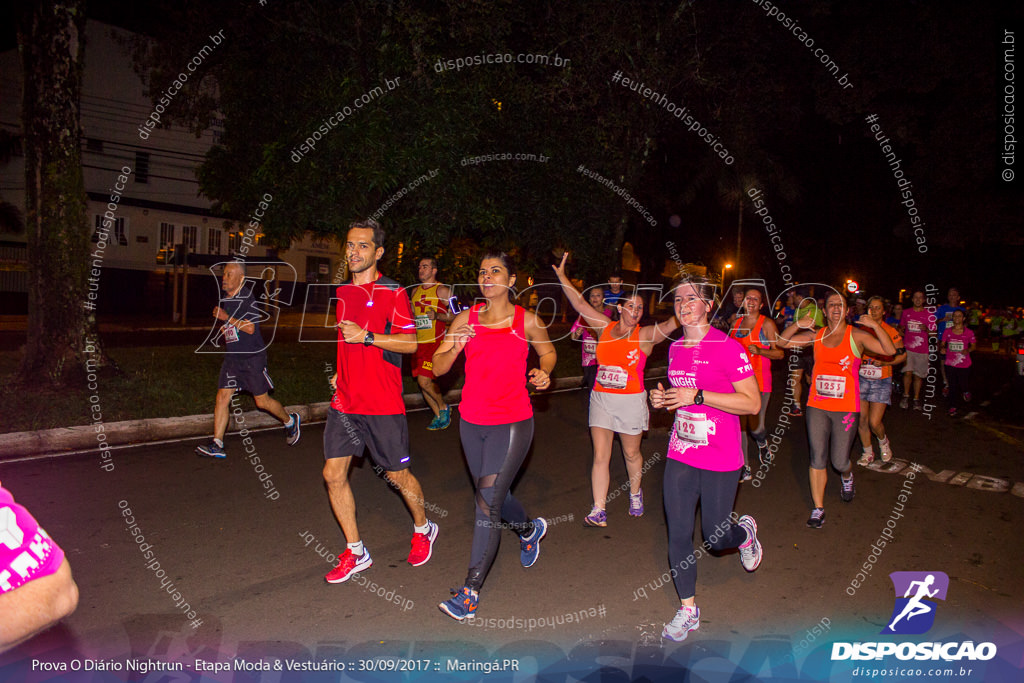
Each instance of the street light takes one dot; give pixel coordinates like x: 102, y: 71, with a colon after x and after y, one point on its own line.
x: 728, y: 266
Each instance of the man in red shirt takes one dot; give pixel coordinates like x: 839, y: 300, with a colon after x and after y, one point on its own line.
x: 375, y: 326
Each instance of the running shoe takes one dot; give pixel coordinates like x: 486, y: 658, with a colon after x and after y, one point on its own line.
x: 952, y: 412
x: 967, y: 397
x: 462, y: 604
x: 597, y: 517
x: 530, y: 546
x: 886, y: 449
x: 764, y: 454
x: 750, y: 551
x: 433, y: 424
x: 211, y: 450
x: 445, y: 418
x: 905, y: 402
x: 422, y: 546
x: 867, y: 458
x: 295, y: 431
x: 636, y: 504
x: 686, y: 619
x: 917, y: 404
x: 797, y: 411
x: 847, y: 492
x: 349, y: 564
x: 745, y: 474
x: 817, y: 518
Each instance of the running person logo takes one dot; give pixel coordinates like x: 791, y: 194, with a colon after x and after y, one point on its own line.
x: 914, y: 612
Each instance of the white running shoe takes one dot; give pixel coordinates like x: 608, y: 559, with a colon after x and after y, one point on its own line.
x: 686, y: 619
x: 750, y: 551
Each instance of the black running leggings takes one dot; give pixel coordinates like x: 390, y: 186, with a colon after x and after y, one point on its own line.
x: 494, y: 454
x: 959, y: 384
x: 685, y: 485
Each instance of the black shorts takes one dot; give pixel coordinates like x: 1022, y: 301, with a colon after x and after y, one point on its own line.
x: 804, y: 360
x: 387, y: 437
x: 245, y: 373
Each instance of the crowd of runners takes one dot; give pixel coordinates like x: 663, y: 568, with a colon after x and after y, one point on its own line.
x: 856, y: 356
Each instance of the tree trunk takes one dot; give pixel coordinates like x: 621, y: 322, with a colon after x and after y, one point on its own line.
x: 61, y: 329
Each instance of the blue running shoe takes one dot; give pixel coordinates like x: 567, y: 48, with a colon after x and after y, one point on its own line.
x: 295, y: 431
x: 433, y: 424
x: 462, y: 605
x: 445, y: 418
x: 530, y: 546
x: 211, y: 450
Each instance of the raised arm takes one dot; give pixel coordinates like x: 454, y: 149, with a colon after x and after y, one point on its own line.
x: 799, y: 334
x: 880, y: 343
x: 595, y: 318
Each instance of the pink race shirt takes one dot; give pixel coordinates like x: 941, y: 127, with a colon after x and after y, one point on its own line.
x: 589, y: 343
x: 702, y: 436
x: 917, y: 325
x: 26, y: 550
x: 957, y: 347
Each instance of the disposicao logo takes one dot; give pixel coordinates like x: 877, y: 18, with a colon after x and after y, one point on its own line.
x: 914, y: 614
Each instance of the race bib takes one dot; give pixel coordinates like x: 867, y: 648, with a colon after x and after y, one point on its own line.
x: 914, y: 326
x: 230, y: 333
x: 830, y: 386
x: 956, y: 346
x: 692, y: 428
x: 590, y: 347
x: 871, y: 371
x: 612, y: 377
x: 423, y: 322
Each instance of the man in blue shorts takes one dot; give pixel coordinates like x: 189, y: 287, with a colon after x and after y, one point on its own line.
x: 245, y: 361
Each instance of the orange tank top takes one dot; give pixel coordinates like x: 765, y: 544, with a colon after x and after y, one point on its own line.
x: 762, y: 366
x: 835, y: 382
x: 620, y: 363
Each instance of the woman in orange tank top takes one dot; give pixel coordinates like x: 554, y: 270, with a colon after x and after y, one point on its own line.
x: 757, y: 334
x: 835, y: 393
x: 618, y: 403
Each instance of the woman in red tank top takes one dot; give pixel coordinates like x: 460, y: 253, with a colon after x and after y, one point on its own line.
x: 834, y: 402
x: 618, y: 403
x: 496, y: 426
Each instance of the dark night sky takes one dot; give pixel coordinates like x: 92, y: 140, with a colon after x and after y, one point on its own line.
x: 848, y: 220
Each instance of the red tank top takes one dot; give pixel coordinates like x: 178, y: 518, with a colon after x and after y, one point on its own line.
x: 762, y: 366
x: 620, y: 363
x: 495, y: 390
x: 835, y: 382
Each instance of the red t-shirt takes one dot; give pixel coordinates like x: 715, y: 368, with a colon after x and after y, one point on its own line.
x: 369, y: 378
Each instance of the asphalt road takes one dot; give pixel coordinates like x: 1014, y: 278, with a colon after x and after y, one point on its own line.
x: 251, y: 569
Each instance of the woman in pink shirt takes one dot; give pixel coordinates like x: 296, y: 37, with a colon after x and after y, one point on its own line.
x: 958, y: 344
x: 496, y: 417
x: 582, y: 331
x: 712, y: 385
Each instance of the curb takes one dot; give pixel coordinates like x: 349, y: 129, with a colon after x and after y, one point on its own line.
x: 104, y: 435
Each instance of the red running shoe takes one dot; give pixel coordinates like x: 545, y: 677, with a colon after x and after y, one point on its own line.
x: 422, y: 546
x: 348, y: 565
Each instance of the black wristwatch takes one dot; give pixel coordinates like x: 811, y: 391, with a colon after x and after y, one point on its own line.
x: 368, y: 339
x: 698, y: 398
